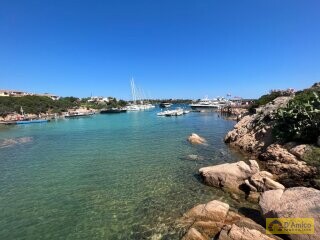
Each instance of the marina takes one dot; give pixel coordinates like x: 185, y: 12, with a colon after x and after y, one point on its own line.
x: 215, y: 103
x: 159, y: 120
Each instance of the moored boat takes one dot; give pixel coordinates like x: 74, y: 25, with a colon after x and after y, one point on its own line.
x: 215, y: 103
x: 32, y: 121
x: 113, y: 110
x: 165, y: 104
x: 77, y: 114
x: 174, y: 112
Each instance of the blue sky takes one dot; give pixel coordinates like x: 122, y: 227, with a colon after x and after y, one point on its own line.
x: 172, y: 48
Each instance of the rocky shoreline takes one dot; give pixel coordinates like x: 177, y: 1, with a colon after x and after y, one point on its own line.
x: 277, y: 178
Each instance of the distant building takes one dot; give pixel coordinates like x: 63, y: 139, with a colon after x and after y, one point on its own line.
x: 99, y: 99
x: 14, y: 93
x: 53, y: 97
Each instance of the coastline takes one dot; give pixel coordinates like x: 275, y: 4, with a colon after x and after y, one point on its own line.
x: 286, y: 185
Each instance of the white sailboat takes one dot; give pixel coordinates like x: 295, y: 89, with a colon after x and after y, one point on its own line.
x: 138, y: 103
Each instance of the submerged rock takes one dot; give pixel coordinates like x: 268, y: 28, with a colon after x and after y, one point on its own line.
x: 196, y: 139
x: 194, y: 157
x: 13, y: 141
x: 297, y: 202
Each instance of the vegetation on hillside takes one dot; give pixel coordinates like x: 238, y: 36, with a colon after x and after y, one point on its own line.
x: 36, y: 104
x: 300, y: 119
x: 39, y: 104
x: 264, y: 99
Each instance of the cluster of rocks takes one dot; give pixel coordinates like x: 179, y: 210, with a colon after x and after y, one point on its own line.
x: 216, y: 220
x: 240, y: 178
x: 286, y: 162
x: 253, y: 135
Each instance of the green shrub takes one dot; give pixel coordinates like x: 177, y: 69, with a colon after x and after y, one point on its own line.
x: 264, y: 99
x: 300, y: 120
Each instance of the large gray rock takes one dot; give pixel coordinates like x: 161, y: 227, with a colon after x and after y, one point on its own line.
x: 298, y: 202
x: 229, y: 175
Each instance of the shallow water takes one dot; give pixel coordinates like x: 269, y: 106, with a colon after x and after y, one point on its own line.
x: 122, y: 176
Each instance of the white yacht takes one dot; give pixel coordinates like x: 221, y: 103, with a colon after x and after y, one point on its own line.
x: 174, y: 112
x: 210, y: 103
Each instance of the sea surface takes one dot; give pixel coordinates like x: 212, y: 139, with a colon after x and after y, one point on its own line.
x: 121, y: 176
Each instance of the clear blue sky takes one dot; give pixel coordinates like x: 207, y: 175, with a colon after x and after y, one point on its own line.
x: 173, y: 48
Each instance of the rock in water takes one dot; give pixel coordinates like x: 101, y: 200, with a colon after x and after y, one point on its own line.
x: 229, y: 175
x: 297, y: 202
x: 193, y: 234
x: 235, y: 233
x: 196, y: 139
x: 212, y: 211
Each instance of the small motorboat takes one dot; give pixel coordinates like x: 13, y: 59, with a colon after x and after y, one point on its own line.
x: 78, y: 114
x: 165, y: 104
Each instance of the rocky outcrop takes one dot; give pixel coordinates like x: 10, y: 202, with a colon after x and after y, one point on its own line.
x: 229, y: 176
x: 252, y: 134
x: 249, y: 137
x: 298, y: 150
x: 239, y: 177
x: 285, y: 163
x: 262, y: 181
x: 214, y: 219
x: 194, y: 234
x: 196, y: 139
x: 212, y: 211
x: 298, y: 202
x: 234, y: 232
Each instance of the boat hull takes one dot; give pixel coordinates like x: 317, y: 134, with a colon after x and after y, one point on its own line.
x: 204, y: 106
x: 32, y: 121
x: 113, y: 111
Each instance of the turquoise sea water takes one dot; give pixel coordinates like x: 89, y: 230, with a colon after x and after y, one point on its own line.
x: 122, y: 176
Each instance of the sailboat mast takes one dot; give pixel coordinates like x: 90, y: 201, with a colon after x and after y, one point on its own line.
x: 133, y: 91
